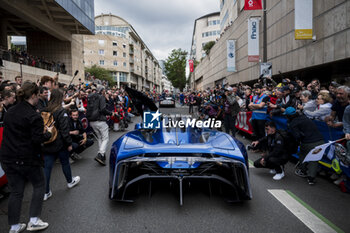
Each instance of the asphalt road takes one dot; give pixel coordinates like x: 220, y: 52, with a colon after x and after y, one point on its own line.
x: 86, y: 208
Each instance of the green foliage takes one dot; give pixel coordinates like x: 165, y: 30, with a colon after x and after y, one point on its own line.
x: 207, y: 47
x: 100, y: 73
x: 175, y: 68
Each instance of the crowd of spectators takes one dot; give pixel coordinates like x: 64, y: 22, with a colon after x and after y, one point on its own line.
x: 23, y: 57
x: 300, y: 103
x: 62, y: 133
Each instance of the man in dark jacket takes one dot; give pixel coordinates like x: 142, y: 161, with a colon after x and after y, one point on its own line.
x: 306, y: 132
x: 43, y: 98
x: 96, y: 114
x: 78, y: 134
x: 20, y: 157
x: 277, y: 155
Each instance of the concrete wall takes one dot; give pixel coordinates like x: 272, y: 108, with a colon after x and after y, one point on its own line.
x: 331, y: 24
x: 41, y: 44
x: 11, y: 70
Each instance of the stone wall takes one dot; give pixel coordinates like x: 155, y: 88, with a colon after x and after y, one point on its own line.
x: 11, y: 70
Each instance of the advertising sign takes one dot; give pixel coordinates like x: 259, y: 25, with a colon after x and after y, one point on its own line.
x: 253, y: 40
x: 303, y: 19
x: 190, y: 62
x: 231, y: 55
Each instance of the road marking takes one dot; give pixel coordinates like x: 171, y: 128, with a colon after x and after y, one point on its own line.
x: 305, y: 213
x: 251, y: 163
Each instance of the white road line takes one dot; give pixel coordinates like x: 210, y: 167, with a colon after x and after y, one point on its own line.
x: 303, y: 214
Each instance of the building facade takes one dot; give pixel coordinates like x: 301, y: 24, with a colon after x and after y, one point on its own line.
x: 206, y: 29
x: 117, y: 47
x: 52, y: 29
x: 325, y: 57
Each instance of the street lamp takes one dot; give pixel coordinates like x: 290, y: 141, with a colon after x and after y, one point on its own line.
x: 20, y: 65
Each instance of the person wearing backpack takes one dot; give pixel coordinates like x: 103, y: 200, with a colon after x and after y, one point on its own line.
x: 96, y: 114
x: 277, y: 154
x: 60, y: 145
x: 24, y: 127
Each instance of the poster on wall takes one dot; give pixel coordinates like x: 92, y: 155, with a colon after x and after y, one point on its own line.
x: 253, y: 40
x: 303, y: 19
x: 231, y: 55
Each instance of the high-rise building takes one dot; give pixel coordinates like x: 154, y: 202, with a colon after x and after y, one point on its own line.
x: 206, y: 29
x: 51, y: 29
x: 117, y: 47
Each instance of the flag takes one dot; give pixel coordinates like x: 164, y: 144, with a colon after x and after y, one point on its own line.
x: 190, y: 62
x: 316, y: 154
x: 252, y: 5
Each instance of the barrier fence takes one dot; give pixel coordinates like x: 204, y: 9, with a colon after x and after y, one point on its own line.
x: 243, y: 123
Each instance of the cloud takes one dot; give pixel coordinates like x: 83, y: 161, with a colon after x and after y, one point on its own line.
x: 163, y: 25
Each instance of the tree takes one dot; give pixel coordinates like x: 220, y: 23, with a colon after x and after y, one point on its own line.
x: 100, y: 73
x: 175, y: 68
x: 207, y: 47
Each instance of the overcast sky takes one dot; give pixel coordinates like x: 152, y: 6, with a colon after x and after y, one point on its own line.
x: 162, y: 24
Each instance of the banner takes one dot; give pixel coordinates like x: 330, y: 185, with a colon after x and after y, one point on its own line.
x: 252, y: 5
x: 190, y: 63
x: 253, y: 40
x: 231, y: 55
x: 303, y: 19
x: 243, y: 122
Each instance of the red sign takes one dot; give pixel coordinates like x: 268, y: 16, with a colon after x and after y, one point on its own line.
x: 190, y: 62
x: 252, y: 5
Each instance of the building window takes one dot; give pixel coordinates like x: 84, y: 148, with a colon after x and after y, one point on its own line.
x: 101, y: 42
x: 115, y: 53
x: 115, y: 63
x: 115, y: 43
x: 102, y: 62
x: 101, y: 52
x: 124, y: 46
x: 124, y: 64
x: 124, y: 54
x: 122, y: 77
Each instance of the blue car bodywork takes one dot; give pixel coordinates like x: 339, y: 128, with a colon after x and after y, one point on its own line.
x: 178, y: 155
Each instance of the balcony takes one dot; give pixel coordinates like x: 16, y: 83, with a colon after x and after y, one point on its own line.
x: 132, y: 70
x: 131, y: 61
x: 131, y: 52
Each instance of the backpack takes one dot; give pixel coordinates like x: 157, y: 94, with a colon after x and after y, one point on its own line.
x: 291, y: 145
x: 49, y: 121
x: 92, y: 109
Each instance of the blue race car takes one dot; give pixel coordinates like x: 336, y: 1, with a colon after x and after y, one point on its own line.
x: 179, y: 156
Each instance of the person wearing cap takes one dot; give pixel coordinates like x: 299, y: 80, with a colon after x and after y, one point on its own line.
x: 307, y: 134
x: 96, y: 114
x: 259, y: 112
